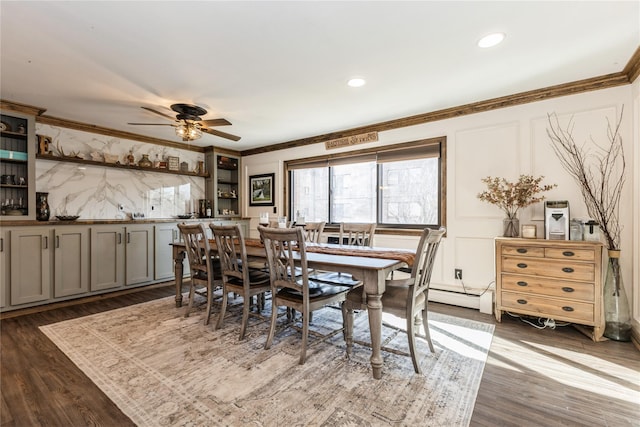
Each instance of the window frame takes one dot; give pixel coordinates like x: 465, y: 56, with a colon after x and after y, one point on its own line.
x: 438, y: 143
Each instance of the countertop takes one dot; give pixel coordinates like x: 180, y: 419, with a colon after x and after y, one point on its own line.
x: 5, y: 223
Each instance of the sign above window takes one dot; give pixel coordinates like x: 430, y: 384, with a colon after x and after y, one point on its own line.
x: 351, y: 140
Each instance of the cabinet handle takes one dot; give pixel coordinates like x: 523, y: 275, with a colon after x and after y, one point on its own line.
x: 568, y: 253
x: 57, y: 242
x: 119, y: 238
x: 46, y: 242
x: 567, y: 270
x: 128, y: 237
x: 521, y: 283
x: 567, y: 289
x: 1, y: 244
x: 522, y: 265
x: 521, y: 250
x: 522, y: 301
x: 567, y: 308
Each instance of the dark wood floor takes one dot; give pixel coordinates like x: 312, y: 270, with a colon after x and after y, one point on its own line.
x: 532, y: 377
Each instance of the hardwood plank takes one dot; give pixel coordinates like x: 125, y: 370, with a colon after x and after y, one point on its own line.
x: 532, y: 377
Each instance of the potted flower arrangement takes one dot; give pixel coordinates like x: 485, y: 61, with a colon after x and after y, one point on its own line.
x: 511, y: 196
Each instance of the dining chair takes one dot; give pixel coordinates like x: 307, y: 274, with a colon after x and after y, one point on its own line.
x: 201, y: 264
x: 351, y: 234
x: 237, y: 276
x: 405, y: 298
x: 358, y: 234
x: 313, y: 231
x: 285, y: 251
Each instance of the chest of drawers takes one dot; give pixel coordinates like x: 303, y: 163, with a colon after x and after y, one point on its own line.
x: 555, y: 279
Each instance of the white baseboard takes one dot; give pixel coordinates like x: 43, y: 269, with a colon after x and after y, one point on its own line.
x: 483, y: 302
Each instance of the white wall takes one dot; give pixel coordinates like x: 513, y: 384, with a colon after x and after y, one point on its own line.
x: 506, y: 143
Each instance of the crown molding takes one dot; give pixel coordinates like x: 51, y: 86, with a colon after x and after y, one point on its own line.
x: 21, y: 108
x: 632, y: 69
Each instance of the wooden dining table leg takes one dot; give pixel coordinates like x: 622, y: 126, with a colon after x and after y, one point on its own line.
x: 374, y: 309
x: 178, y: 269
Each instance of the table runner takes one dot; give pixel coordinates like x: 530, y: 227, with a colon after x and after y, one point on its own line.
x: 400, y: 255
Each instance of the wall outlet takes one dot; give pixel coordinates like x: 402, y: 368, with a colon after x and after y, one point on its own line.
x: 458, y: 273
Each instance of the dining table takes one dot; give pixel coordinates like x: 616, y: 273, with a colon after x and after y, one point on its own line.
x: 372, y: 265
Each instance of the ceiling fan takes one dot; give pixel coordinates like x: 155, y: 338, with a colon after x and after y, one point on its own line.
x: 189, y: 124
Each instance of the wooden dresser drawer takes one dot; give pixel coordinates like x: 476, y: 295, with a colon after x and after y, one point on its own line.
x: 523, y: 251
x: 549, y: 268
x: 570, y: 254
x: 558, y: 309
x: 550, y: 287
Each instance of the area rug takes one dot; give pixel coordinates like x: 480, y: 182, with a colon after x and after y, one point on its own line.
x: 163, y: 369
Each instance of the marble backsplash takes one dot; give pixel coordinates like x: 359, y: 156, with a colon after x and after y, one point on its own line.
x: 97, y: 192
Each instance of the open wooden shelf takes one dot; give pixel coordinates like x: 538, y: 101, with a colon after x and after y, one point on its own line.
x: 115, y: 165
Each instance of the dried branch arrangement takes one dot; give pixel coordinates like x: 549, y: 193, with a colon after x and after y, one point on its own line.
x: 599, y: 172
x: 511, y: 196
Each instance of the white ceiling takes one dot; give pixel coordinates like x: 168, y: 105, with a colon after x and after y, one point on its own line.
x: 278, y: 70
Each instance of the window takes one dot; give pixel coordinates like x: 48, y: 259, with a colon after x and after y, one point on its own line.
x: 398, y: 186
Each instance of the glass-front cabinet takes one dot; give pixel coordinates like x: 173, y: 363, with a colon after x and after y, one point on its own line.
x: 17, y: 171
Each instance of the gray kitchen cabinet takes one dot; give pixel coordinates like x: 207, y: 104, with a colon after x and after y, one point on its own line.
x: 31, y: 253
x: 165, y: 235
x: 4, y: 267
x: 139, y: 250
x: 107, y: 257
x: 71, y: 261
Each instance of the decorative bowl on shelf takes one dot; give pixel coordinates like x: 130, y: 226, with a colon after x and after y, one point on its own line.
x: 137, y: 215
x: 187, y: 216
x: 67, y: 217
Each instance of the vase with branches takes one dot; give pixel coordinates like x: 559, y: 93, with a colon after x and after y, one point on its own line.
x: 512, y: 196
x: 599, y: 172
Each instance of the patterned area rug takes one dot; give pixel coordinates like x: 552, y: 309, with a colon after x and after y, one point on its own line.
x: 163, y: 369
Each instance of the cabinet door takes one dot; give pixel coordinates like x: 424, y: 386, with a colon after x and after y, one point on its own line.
x: 165, y: 235
x: 71, y: 261
x: 30, y: 265
x: 107, y: 257
x: 139, y: 254
x: 4, y: 267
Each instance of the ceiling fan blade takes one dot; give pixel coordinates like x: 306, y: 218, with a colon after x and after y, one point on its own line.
x: 152, y: 124
x: 215, y: 122
x: 221, y: 134
x: 159, y: 113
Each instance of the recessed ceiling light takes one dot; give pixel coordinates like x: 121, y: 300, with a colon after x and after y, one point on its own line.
x: 356, y: 82
x: 491, y: 40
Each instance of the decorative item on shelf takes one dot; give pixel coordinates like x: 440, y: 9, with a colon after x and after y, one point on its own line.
x: 227, y: 162
x: 110, y: 158
x: 173, y: 163
x: 200, y: 167
x: 162, y: 165
x: 42, y: 206
x: 67, y: 217
x: 72, y: 154
x: 156, y: 161
x: 8, y: 179
x: 529, y: 231
x: 5, y: 127
x: 44, y: 144
x: 145, y: 162
x: 129, y: 159
x: 510, y: 197
x: 184, y: 167
x: 22, y: 129
x: 600, y: 175
x: 97, y: 157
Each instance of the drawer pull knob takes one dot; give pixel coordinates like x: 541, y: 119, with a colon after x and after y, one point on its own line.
x: 523, y: 301
x: 521, y: 283
x: 567, y: 308
x: 522, y: 265
x: 567, y: 270
x: 568, y: 253
x: 567, y: 289
x: 521, y: 250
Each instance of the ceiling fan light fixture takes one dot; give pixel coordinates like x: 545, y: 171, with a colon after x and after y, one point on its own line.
x: 491, y: 40
x: 188, y: 132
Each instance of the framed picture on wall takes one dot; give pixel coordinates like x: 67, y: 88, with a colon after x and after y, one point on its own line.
x: 261, y: 190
